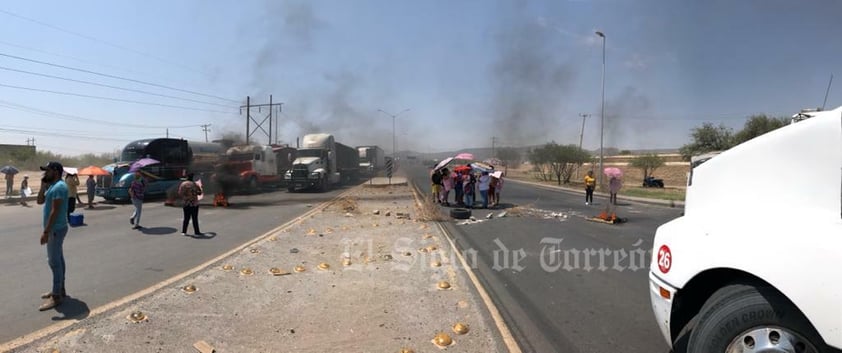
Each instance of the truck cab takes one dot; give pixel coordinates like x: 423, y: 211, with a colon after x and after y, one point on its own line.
x: 753, y: 265
x: 315, y: 164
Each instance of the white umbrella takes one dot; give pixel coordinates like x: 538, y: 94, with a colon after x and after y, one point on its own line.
x: 443, y: 163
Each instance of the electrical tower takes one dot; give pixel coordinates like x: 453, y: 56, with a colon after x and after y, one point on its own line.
x: 259, y: 125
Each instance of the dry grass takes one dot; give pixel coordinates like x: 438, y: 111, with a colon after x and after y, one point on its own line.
x: 519, y: 210
x: 348, y: 204
x: 428, y: 210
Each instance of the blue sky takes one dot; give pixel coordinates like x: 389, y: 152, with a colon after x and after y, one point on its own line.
x: 522, y: 71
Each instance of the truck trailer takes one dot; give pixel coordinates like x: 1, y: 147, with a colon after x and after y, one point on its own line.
x: 372, y: 160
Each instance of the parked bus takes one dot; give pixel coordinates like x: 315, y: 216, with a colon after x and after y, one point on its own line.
x: 177, y: 157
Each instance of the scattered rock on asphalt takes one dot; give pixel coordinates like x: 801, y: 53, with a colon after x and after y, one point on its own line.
x: 376, y: 212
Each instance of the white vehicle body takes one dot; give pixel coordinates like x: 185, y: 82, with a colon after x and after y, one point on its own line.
x: 316, y: 163
x: 767, y: 210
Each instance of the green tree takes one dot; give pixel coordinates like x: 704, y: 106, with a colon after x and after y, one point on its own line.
x: 565, y: 159
x: 540, y: 158
x: 757, y: 125
x: 708, y: 138
x: 647, y: 163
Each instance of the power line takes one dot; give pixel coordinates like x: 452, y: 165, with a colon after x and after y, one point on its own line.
x: 111, y: 99
x: 53, y: 134
x: 20, y: 107
x: 71, y: 57
x: 114, y: 76
x: 99, y: 40
x: 110, y: 86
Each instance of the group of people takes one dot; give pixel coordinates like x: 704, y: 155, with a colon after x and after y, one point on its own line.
x: 465, y: 184
x: 72, y: 182
x: 59, y: 197
x: 614, y: 185
x: 189, y: 192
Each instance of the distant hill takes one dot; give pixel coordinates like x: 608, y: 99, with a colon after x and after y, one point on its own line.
x: 481, y: 153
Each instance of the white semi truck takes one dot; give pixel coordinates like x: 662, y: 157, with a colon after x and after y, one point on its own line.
x: 755, y: 262
x: 321, y: 163
x: 372, y: 160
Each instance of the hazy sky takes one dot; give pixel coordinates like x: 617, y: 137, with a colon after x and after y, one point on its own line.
x: 522, y: 71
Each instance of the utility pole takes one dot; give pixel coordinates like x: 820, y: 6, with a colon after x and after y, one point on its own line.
x: 582, y: 134
x: 259, y: 124
x: 30, y: 141
x: 205, y: 129
x: 581, y: 137
x: 493, y: 145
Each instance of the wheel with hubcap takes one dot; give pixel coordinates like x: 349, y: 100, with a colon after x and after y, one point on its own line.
x: 742, y: 318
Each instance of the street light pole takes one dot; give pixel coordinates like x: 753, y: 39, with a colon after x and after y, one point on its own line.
x: 602, y: 115
x: 394, y: 117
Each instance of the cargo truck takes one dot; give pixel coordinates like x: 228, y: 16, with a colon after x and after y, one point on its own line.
x: 372, y: 160
x: 321, y: 164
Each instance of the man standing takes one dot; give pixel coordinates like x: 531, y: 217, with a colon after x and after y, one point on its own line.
x: 90, y: 184
x: 189, y: 193
x: 53, y: 195
x: 72, y: 182
x: 10, y: 183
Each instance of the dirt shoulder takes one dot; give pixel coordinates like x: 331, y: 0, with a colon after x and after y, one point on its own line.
x: 380, y: 292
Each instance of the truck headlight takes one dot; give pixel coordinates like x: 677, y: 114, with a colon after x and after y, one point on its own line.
x: 315, y: 175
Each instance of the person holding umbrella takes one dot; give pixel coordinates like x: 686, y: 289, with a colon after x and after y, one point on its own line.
x: 136, y: 192
x: 10, y: 182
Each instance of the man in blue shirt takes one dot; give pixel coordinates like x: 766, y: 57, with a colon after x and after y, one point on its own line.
x: 53, y: 195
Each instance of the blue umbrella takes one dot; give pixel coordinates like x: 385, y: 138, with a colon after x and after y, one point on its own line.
x: 9, y: 170
x: 140, y: 163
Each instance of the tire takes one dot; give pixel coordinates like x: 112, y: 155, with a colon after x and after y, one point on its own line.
x: 253, y: 186
x: 460, y: 213
x: 739, y: 313
x: 290, y: 189
x: 324, y: 184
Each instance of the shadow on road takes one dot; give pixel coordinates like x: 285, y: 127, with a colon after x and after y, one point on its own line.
x: 207, y: 235
x: 100, y: 208
x: 158, y: 230
x: 72, y: 309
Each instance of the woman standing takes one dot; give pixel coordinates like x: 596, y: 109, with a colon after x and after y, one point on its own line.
x: 447, y: 185
x: 189, y: 192
x: 614, y: 186
x: 590, y: 183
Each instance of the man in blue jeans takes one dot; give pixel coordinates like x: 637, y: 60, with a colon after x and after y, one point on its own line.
x: 54, y: 196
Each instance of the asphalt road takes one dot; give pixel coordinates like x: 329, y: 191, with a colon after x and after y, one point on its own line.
x: 552, y: 301
x: 107, y: 260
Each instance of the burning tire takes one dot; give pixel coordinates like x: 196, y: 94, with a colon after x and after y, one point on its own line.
x: 460, y: 213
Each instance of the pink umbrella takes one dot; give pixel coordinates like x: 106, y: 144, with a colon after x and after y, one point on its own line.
x: 613, y: 171
x: 465, y: 156
x: 140, y: 163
